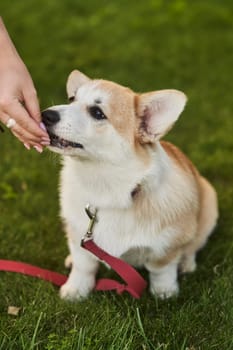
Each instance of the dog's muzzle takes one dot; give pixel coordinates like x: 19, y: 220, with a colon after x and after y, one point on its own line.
x: 51, y: 117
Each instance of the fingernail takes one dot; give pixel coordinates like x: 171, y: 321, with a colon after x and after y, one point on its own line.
x: 45, y: 143
x: 44, y: 138
x: 42, y: 126
x: 27, y: 146
x: 38, y: 148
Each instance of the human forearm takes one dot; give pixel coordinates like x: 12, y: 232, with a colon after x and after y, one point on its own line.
x: 7, y: 48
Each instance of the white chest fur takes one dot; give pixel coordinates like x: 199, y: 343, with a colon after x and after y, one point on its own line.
x: 121, y: 225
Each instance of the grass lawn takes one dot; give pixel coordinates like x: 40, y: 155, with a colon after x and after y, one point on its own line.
x: 147, y: 45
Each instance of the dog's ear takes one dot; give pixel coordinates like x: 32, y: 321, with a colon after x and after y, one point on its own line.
x: 157, y: 112
x: 74, y: 81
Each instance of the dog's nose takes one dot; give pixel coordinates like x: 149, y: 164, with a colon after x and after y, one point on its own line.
x: 50, y: 117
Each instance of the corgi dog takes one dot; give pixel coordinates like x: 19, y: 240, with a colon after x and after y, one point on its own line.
x: 154, y: 208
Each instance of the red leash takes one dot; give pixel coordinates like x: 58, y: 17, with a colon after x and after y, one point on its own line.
x: 135, y: 284
x: 30, y: 270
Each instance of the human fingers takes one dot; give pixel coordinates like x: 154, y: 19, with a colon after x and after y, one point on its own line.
x: 38, y: 147
x: 26, y: 137
x: 23, y: 134
x: 16, y: 111
x: 31, y: 103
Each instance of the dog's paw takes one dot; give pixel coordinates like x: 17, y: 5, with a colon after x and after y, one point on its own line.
x: 164, y: 291
x: 68, y: 262
x: 77, y: 287
x: 70, y: 293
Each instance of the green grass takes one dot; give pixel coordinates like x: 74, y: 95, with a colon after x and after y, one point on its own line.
x: 152, y: 44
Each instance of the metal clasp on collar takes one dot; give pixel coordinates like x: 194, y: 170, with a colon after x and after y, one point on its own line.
x: 93, y: 218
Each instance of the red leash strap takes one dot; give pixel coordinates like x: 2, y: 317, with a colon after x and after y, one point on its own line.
x: 135, y: 283
x: 30, y: 270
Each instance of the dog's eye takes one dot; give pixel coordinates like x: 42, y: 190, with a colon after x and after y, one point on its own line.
x: 97, y: 113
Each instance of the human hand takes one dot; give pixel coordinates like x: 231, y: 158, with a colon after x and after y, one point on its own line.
x: 19, y: 106
x: 18, y: 101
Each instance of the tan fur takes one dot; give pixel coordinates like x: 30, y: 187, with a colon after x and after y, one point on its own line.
x: 191, y: 236
x: 120, y: 114
x: 182, y: 160
x: 207, y: 197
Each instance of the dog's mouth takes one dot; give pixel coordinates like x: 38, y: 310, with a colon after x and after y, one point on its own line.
x: 59, y: 142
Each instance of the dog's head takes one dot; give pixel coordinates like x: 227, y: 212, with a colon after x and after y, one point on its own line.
x: 106, y: 121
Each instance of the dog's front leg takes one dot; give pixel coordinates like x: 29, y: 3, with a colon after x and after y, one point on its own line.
x: 163, y: 279
x: 82, y: 276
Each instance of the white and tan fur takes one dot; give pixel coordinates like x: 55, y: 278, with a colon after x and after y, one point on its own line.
x: 154, y: 208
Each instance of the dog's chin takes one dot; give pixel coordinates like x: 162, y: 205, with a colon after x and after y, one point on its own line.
x: 63, y: 146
